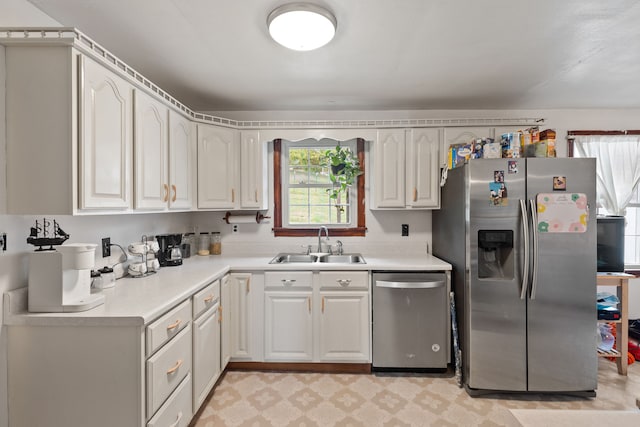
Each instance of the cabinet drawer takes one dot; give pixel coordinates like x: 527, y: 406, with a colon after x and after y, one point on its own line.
x: 168, y: 326
x: 344, y: 279
x: 167, y: 368
x: 176, y: 411
x: 289, y: 280
x: 207, y: 297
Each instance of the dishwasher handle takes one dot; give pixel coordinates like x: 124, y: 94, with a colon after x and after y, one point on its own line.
x: 410, y: 285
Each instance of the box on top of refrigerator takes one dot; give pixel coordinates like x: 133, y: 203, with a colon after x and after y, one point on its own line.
x: 510, y: 143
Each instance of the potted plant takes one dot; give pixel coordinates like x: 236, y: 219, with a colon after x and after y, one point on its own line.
x: 345, y: 168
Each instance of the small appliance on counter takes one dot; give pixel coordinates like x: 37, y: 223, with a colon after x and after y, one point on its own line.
x: 169, y: 253
x: 148, y: 263
x: 60, y: 279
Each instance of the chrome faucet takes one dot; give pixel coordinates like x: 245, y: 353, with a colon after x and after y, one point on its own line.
x: 326, y: 232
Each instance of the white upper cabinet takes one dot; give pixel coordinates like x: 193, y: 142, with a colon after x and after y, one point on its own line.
x: 182, y: 161
x: 164, y: 156
x: 388, y: 169
x: 423, y: 184
x: 232, y: 169
x: 105, y: 138
x: 218, y: 160
x: 253, y: 171
x: 69, y: 133
x: 151, y: 152
x: 405, y: 169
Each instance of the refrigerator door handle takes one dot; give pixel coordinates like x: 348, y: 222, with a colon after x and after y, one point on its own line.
x: 534, y: 227
x: 525, y: 237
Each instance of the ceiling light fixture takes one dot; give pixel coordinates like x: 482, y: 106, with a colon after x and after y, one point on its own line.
x: 301, y: 26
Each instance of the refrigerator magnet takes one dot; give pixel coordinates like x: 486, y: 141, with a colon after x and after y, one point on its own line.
x: 559, y: 183
x: 513, y: 166
x: 498, y: 176
x: 498, y: 194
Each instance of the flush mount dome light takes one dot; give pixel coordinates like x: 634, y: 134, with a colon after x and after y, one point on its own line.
x: 301, y: 26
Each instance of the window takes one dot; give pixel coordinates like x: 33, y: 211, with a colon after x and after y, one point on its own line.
x: 618, y: 174
x: 632, y: 232
x: 301, y: 181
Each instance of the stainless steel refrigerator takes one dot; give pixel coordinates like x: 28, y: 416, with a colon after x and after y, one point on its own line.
x: 521, y: 236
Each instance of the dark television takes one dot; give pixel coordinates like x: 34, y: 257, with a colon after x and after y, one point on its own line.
x: 610, y: 244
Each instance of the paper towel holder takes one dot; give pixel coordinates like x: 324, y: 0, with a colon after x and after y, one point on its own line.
x: 230, y: 218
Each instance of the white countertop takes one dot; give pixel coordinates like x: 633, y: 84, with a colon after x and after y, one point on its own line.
x: 138, y: 301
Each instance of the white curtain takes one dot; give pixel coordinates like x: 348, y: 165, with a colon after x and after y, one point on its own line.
x: 618, y: 169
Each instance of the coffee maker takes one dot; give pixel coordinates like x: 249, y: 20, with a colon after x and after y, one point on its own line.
x: 60, y: 279
x: 170, y: 254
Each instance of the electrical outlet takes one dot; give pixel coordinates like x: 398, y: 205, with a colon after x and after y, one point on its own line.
x: 106, y: 247
x: 405, y: 229
x: 3, y: 242
x: 235, y: 228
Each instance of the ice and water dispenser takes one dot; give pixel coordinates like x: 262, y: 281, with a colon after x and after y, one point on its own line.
x: 495, y: 254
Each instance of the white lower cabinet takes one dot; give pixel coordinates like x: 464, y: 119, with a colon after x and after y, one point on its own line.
x: 288, y: 326
x: 176, y: 412
x: 206, y: 344
x: 167, y: 368
x: 344, y: 326
x: 317, y: 317
x: 245, y: 314
x: 225, y: 322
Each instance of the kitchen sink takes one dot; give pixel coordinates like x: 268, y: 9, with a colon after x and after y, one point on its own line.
x: 287, y: 258
x: 292, y: 258
x: 343, y: 259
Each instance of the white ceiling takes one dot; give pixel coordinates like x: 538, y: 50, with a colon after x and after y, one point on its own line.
x: 216, y: 55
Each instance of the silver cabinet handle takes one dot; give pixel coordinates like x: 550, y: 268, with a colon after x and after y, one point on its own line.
x: 525, y: 237
x: 409, y: 285
x: 344, y: 282
x: 288, y: 282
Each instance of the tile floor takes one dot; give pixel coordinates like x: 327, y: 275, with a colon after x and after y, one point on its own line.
x: 313, y: 399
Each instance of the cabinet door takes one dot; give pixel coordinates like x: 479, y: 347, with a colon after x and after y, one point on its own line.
x: 389, y: 169
x: 206, y: 355
x: 240, y: 315
x: 253, y: 171
x: 182, y: 157
x: 106, y: 138
x: 288, y: 326
x: 225, y: 322
x: 344, y: 326
x: 218, y: 166
x: 151, y: 149
x: 461, y: 135
x: 423, y: 171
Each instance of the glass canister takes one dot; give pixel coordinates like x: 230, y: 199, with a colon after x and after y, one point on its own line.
x: 188, y: 245
x: 203, y: 243
x: 216, y: 243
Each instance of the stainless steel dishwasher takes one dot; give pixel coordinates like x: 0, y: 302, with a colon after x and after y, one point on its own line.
x: 411, y: 321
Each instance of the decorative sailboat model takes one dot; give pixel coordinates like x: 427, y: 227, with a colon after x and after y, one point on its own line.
x: 42, y: 235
